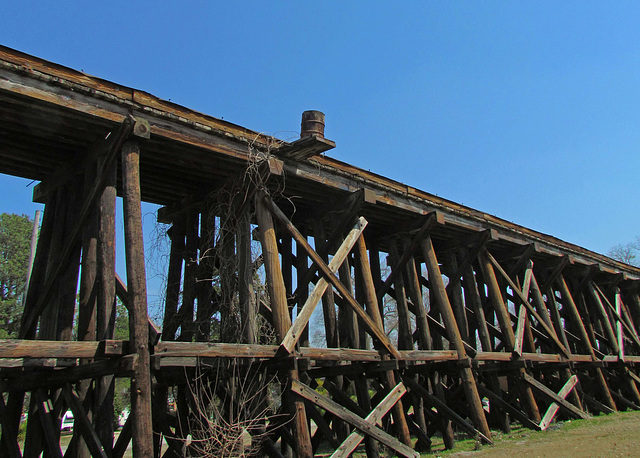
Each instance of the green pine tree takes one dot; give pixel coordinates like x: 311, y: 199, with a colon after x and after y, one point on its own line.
x: 15, y: 241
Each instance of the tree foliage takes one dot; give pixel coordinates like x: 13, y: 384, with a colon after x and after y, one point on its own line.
x: 15, y: 241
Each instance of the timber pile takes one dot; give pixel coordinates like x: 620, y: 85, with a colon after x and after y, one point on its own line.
x: 496, y: 322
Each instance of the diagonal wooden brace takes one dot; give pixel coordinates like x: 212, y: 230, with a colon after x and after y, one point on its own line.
x: 553, y: 408
x: 295, y: 331
x: 525, y: 302
x: 566, y: 405
x: 375, y: 418
x: 30, y: 320
x: 360, y: 423
x: 371, y: 326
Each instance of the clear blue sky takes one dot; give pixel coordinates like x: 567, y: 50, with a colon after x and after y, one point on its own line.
x: 526, y: 110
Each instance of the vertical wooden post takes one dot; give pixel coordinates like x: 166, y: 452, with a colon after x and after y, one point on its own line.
x: 457, y: 301
x: 281, y: 318
x: 192, y: 224
x: 405, y: 336
x: 246, y: 294
x: 138, y: 319
x: 328, y: 302
x: 16, y: 399
x: 87, y: 304
x: 371, y: 303
x: 466, y: 375
x: 567, y: 301
x: 174, y: 276
x: 105, y: 305
x: 302, y: 267
x: 204, y: 287
x: 495, y: 298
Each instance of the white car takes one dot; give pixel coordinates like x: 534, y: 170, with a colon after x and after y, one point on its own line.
x: 122, y: 418
x: 67, y: 421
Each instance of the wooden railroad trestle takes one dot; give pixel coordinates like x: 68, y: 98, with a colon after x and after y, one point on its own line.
x: 495, y: 323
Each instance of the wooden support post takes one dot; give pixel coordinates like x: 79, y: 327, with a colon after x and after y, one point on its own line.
x: 405, y: 334
x: 305, y: 312
x: 29, y: 320
x: 557, y: 398
x: 372, y: 328
x: 281, y: 318
x: 106, y: 303
x: 191, y: 268
x: 347, y: 320
x: 466, y: 375
x: 603, y: 318
x: 495, y: 298
x: 455, y: 293
x: 174, y: 277
x: 302, y: 288
x: 472, y: 297
x: 371, y: 302
x: 328, y: 302
x: 364, y: 426
x: 553, y: 408
x: 138, y: 319
x: 87, y: 302
x: 205, y: 293
x: 16, y: 399
x: 246, y: 294
x: 375, y: 418
x: 567, y: 301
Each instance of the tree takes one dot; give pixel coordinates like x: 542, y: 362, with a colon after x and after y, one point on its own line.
x: 627, y: 252
x: 15, y: 241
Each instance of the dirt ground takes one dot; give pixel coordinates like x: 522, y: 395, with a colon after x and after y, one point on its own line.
x: 604, y: 436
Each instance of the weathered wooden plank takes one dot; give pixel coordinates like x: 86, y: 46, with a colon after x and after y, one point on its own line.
x: 138, y: 318
x: 304, y: 315
x: 445, y: 410
x: 553, y: 408
x: 351, y: 418
x: 14, y: 348
x: 504, y: 405
x: 35, y: 379
x: 570, y: 408
x: 375, y: 331
x: 375, y: 418
x: 468, y: 381
x: 29, y: 320
x: 281, y: 318
x: 519, y: 335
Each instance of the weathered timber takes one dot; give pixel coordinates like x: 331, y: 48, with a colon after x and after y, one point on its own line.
x: 558, y: 399
x: 281, y: 318
x: 553, y: 408
x: 304, y: 315
x: 468, y: 380
x: 138, y: 319
x: 364, y: 426
x: 375, y: 417
x: 204, y: 172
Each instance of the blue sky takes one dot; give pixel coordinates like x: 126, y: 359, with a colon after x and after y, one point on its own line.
x: 525, y: 110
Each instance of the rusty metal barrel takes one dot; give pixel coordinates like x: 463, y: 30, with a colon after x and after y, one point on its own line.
x: 312, y: 123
